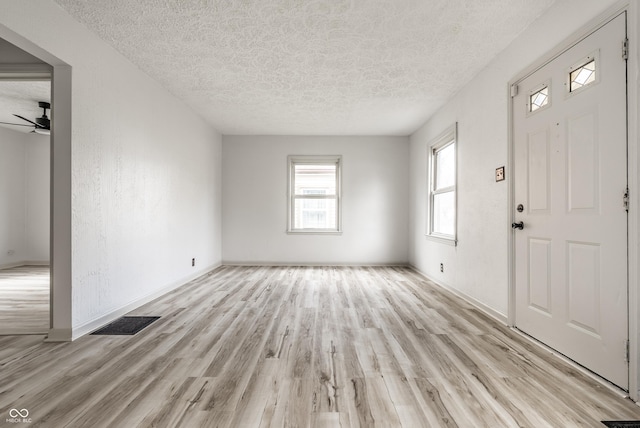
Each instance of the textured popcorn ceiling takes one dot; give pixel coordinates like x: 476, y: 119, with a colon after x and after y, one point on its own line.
x: 323, y: 67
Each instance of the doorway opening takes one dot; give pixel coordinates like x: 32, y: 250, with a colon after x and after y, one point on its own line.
x: 25, y: 188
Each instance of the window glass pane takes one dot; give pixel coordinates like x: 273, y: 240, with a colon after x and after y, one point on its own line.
x: 315, y: 179
x: 583, y: 76
x: 539, y: 99
x: 445, y: 167
x: 314, y: 213
x: 444, y: 213
x: 314, y: 194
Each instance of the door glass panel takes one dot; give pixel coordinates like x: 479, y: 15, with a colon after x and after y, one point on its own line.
x: 583, y: 76
x: 539, y: 99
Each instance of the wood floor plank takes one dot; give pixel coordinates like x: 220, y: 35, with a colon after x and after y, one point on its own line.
x: 304, y: 346
x: 428, y: 397
x: 383, y: 411
x: 24, y: 300
x: 404, y: 401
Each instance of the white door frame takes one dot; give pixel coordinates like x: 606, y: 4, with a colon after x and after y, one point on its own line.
x: 633, y: 88
x: 60, y: 235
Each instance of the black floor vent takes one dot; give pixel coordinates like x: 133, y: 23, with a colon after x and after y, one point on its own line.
x: 126, y: 326
x: 622, y: 424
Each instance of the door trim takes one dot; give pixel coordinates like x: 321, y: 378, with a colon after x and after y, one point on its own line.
x: 60, y: 236
x: 632, y: 10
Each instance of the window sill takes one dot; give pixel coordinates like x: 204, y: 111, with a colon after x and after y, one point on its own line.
x: 442, y: 240
x: 314, y: 232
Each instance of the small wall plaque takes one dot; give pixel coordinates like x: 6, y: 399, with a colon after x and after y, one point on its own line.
x: 500, y: 174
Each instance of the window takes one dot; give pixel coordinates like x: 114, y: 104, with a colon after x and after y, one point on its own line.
x: 539, y: 99
x: 582, y: 76
x: 442, y: 187
x: 314, y: 194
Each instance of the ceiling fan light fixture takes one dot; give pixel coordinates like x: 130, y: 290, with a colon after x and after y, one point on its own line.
x: 43, y: 121
x: 42, y: 124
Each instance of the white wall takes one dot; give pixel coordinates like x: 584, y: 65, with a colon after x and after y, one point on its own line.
x: 145, y: 172
x: 24, y: 198
x: 37, y: 191
x: 374, y: 190
x: 12, y: 199
x: 478, y: 266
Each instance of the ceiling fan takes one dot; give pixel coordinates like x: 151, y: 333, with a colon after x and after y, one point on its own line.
x: 42, y: 124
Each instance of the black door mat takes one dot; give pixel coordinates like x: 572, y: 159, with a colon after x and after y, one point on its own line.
x: 622, y: 424
x: 125, y: 326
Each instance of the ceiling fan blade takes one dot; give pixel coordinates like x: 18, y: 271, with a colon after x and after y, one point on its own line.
x: 30, y: 121
x: 15, y: 124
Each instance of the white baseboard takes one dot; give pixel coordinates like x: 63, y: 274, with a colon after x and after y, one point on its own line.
x: 488, y: 310
x: 36, y: 263
x: 25, y: 263
x: 59, y: 335
x: 95, y: 324
x: 245, y: 263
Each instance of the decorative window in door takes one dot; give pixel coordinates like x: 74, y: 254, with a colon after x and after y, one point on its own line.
x: 584, y: 73
x: 539, y: 99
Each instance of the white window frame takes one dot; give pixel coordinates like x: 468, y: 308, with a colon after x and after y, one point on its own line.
x: 448, y: 137
x: 294, y: 160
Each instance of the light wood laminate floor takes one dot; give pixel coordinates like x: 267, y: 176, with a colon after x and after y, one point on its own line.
x: 24, y: 300
x: 298, y: 347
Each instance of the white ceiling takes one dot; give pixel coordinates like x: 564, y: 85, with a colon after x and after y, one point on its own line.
x: 310, y: 67
x: 21, y: 97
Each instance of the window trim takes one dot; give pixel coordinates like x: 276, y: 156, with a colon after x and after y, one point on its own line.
x: 293, y: 160
x: 446, y: 138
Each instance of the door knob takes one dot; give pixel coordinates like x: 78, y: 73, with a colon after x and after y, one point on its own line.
x: 519, y: 225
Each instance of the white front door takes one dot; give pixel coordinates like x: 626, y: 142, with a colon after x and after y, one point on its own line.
x: 570, y: 172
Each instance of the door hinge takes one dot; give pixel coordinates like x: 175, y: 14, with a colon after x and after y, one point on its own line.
x: 626, y: 351
x: 625, y: 200
x: 625, y: 49
x: 514, y: 90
